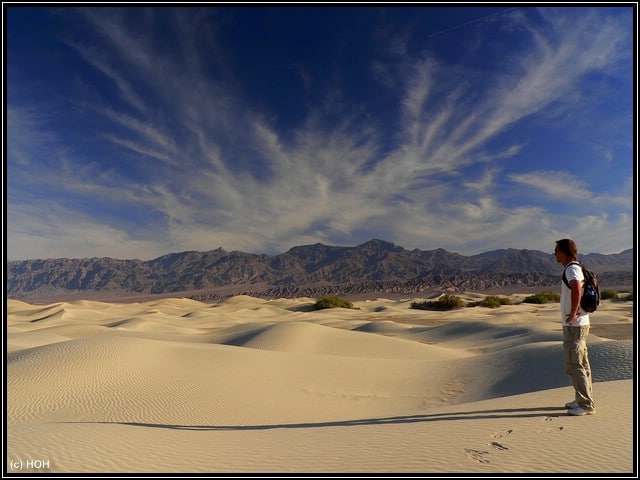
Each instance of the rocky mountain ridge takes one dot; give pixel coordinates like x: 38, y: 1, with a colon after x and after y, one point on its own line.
x: 309, y: 270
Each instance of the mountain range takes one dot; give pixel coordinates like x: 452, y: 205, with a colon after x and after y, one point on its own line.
x: 309, y: 270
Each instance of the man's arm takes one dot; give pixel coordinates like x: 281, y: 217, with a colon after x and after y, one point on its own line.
x: 576, y: 295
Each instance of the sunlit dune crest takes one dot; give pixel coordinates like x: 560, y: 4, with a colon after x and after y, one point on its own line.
x: 252, y: 386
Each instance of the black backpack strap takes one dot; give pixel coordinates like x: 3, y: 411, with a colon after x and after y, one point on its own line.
x: 564, y: 274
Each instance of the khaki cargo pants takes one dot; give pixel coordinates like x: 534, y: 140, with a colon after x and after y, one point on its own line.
x: 576, y: 364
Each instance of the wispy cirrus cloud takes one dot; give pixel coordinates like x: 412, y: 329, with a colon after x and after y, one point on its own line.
x: 556, y: 184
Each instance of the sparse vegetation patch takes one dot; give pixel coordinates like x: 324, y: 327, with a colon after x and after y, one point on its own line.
x: 445, y: 302
x: 332, y: 301
x: 543, y: 297
x: 491, y: 301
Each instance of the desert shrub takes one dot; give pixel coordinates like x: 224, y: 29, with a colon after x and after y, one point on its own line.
x: 445, y: 302
x: 492, y: 301
x: 543, y: 297
x: 629, y: 298
x: 332, y: 301
x: 420, y: 305
x: 608, y: 295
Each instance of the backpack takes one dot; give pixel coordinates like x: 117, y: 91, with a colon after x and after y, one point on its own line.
x: 590, y: 291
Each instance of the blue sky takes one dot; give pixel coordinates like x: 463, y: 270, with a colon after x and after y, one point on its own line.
x: 134, y: 132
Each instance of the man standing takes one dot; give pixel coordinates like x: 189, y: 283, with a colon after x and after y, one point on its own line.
x: 575, y: 329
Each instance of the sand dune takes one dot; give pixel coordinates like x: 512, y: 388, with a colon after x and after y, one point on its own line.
x: 257, y: 386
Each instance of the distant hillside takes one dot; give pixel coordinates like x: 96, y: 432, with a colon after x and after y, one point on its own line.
x: 374, y: 266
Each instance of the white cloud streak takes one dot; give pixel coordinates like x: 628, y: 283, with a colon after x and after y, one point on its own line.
x: 558, y: 185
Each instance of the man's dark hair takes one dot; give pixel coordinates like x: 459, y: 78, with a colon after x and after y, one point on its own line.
x: 568, y: 247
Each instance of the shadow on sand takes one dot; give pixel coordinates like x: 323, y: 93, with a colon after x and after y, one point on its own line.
x: 531, y: 412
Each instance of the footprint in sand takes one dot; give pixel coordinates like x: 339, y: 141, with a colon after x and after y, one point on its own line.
x: 498, y: 446
x: 502, y: 434
x: 550, y: 430
x: 477, y: 455
x: 558, y: 429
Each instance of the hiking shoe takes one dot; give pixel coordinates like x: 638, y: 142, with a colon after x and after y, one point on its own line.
x: 581, y: 411
x: 571, y: 405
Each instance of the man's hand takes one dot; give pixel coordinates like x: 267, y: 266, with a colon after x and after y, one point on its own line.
x: 572, y: 317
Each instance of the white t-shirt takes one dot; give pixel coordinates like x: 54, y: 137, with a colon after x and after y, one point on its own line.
x: 573, y: 271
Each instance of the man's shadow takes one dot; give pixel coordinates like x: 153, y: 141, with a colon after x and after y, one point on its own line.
x: 530, y: 412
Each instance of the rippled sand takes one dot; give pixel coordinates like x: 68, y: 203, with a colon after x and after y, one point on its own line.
x: 257, y: 386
